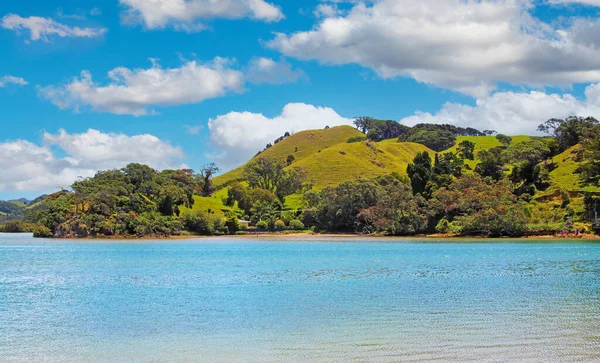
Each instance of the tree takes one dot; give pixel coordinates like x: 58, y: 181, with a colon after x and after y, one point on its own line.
x: 364, y: 123
x: 490, y: 164
x: 526, y: 172
x: 466, y: 149
x: 270, y: 174
x: 419, y: 172
x: 207, y: 172
x: 437, y: 140
x: 397, y: 212
x: 474, y: 207
x: 590, y: 170
x: 504, y: 140
x: 568, y: 132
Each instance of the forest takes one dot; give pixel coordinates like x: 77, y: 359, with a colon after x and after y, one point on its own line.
x: 453, y: 187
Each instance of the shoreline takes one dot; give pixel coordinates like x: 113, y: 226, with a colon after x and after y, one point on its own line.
x: 309, y: 236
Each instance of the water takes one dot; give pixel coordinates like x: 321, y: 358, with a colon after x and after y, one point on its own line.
x: 236, y: 300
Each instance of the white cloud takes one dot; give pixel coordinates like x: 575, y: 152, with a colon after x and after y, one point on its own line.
x: 238, y: 136
x: 266, y: 70
x: 6, y: 80
x: 25, y: 166
x: 187, y: 14
x: 133, y: 91
x: 43, y: 28
x: 467, y: 46
x: 513, y: 113
x: 326, y: 10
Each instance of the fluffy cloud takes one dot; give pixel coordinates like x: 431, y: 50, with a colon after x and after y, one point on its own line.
x: 238, y: 136
x: 466, y: 46
x: 25, y: 166
x: 186, y: 14
x: 513, y: 113
x: 43, y: 28
x: 326, y: 10
x: 6, y: 80
x: 132, y: 92
x: 266, y: 70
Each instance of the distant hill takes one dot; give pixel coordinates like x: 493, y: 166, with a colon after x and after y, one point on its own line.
x: 329, y: 160
x: 301, y: 145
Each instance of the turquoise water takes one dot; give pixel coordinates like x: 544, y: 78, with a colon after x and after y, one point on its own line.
x: 236, y: 300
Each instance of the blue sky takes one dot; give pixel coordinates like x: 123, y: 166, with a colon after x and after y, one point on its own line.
x: 328, y: 61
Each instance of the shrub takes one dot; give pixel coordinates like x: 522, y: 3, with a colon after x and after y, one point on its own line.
x: 42, y: 232
x: 232, y: 224
x: 296, y: 224
x: 262, y: 225
x: 202, y: 222
x: 279, y: 224
x: 443, y: 226
x: 356, y: 139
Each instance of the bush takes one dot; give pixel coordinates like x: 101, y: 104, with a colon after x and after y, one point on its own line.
x: 202, y: 222
x: 232, y: 224
x: 279, y: 224
x: 443, y: 226
x: 356, y: 139
x: 42, y: 232
x: 262, y: 225
x: 296, y: 224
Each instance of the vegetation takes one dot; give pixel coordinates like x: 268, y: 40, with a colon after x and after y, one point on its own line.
x: 383, y: 178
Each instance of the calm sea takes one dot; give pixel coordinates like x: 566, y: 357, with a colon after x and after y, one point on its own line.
x: 226, y: 300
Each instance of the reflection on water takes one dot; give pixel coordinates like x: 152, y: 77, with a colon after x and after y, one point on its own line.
x: 318, y: 301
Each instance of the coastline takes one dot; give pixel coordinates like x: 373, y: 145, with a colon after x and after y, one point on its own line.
x: 309, y: 236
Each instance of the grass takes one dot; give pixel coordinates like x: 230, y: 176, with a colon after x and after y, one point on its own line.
x: 301, y: 145
x: 565, y: 177
x: 213, y: 203
x: 346, y: 162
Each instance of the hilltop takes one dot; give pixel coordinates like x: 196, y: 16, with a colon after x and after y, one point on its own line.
x: 382, y: 177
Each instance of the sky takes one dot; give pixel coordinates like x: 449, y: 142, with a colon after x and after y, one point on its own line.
x: 94, y: 85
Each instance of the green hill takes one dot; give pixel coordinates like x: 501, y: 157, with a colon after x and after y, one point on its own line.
x: 329, y: 160
x: 346, y: 162
x: 301, y: 145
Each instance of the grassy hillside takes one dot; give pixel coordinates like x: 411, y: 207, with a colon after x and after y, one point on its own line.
x: 301, y: 145
x: 345, y: 162
x: 329, y: 160
x: 565, y: 177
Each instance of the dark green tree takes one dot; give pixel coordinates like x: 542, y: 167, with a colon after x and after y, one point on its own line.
x: 420, y: 172
x: 466, y: 149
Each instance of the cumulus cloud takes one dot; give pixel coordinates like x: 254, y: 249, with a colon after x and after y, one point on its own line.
x: 467, y: 46
x: 512, y: 113
x: 238, y: 136
x: 187, y: 14
x: 6, y: 80
x: 40, y: 28
x: 266, y: 70
x: 133, y: 92
x: 25, y: 166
